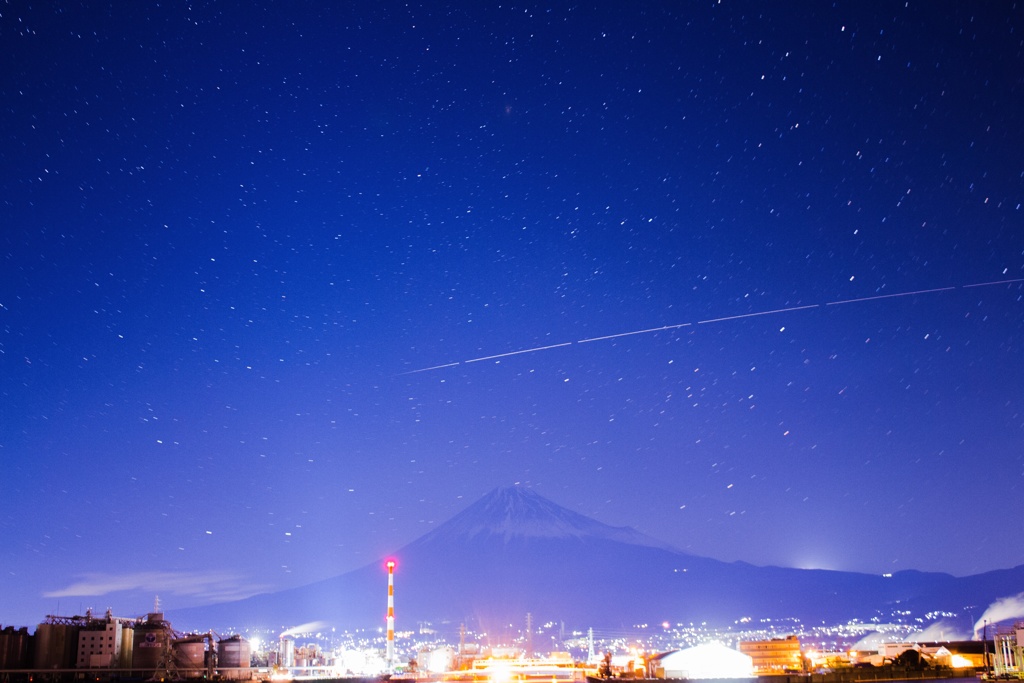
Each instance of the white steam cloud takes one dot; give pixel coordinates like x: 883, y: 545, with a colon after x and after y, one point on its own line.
x: 1002, y: 609
x: 308, y: 627
x: 870, y: 641
x: 940, y: 631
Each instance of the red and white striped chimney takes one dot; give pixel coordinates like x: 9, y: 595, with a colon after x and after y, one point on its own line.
x: 390, y: 653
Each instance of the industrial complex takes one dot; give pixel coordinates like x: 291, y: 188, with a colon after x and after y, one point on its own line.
x: 148, y: 648
x: 124, y: 648
x: 109, y: 648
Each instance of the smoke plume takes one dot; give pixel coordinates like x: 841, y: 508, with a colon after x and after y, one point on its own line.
x: 308, y: 627
x: 940, y: 631
x: 1001, y: 610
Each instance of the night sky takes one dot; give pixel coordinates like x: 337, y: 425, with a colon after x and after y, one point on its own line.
x: 249, y: 251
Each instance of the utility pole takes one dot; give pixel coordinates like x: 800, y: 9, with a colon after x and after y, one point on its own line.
x: 984, y: 639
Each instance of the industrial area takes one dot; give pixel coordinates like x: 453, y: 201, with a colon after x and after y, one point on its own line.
x: 110, y: 648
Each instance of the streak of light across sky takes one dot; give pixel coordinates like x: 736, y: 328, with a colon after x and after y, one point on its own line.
x: 651, y: 330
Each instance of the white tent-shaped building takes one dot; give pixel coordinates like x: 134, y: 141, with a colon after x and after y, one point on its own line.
x: 710, y: 660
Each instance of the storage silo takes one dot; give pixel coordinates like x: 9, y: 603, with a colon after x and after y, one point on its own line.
x: 190, y: 656
x: 287, y: 651
x: 13, y: 648
x: 234, y: 655
x: 127, y: 645
x: 45, y: 637
x: 56, y: 646
x: 149, y: 647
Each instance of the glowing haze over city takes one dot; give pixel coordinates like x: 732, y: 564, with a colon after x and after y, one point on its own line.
x: 286, y: 285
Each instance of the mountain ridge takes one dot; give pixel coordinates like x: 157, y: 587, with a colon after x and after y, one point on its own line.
x: 514, y: 551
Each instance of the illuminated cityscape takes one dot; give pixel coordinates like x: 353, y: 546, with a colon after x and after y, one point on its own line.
x: 149, y: 647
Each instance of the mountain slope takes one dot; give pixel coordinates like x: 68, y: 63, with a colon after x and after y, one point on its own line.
x: 515, y: 552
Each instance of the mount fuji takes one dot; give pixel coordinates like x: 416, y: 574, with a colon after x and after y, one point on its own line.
x: 514, y: 552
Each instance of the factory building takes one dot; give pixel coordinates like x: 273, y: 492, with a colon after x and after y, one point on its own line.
x: 1008, y: 658
x: 110, y: 647
x: 15, y: 646
x: 775, y: 656
x: 960, y: 654
x: 100, y: 643
x: 146, y: 648
x: 710, y: 660
x: 162, y: 652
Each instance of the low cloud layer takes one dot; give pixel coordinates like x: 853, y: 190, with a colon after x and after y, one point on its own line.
x: 207, y: 586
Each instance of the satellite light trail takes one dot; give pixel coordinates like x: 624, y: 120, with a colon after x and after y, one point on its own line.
x: 630, y: 334
x: 754, y: 315
x: 994, y: 282
x: 433, y: 367
x: 516, y: 353
x: 677, y: 326
x: 893, y: 296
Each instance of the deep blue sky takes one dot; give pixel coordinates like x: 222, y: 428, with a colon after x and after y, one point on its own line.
x: 230, y: 231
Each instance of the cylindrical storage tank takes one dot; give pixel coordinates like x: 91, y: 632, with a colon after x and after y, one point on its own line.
x: 127, y: 645
x: 70, y: 640
x: 44, y: 640
x: 234, y: 653
x: 6, y: 648
x: 22, y: 658
x: 287, y: 652
x: 53, y: 649
x: 190, y: 656
x: 148, y: 649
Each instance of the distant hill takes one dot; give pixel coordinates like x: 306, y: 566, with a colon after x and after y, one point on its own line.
x: 514, y: 552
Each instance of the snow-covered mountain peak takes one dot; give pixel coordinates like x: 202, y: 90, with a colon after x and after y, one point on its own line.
x: 517, y: 512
